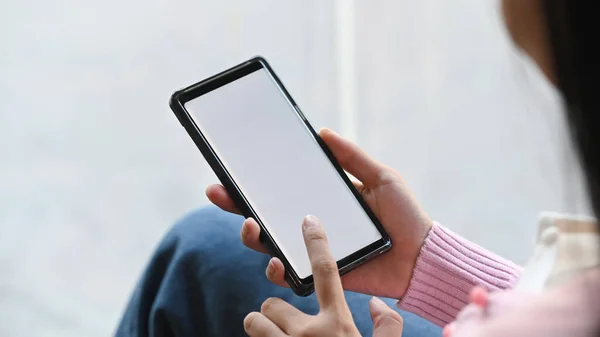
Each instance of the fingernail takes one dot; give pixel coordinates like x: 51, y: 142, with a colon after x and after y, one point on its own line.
x: 244, y: 229
x: 310, y: 222
x: 378, y: 302
x: 269, y: 269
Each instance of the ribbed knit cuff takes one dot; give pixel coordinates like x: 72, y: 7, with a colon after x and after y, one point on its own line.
x: 447, y: 268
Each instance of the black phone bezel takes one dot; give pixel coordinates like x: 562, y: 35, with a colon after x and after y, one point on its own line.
x: 305, y: 286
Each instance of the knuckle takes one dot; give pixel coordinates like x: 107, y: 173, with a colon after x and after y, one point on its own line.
x: 346, y: 326
x: 391, y: 318
x: 325, y: 266
x: 316, y: 235
x: 310, y: 331
x: 347, y: 329
x: 342, y: 325
x: 352, y: 157
x: 248, y: 321
x: 386, y: 176
x: 268, y: 305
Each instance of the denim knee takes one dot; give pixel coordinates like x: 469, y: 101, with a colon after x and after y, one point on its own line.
x: 203, y: 228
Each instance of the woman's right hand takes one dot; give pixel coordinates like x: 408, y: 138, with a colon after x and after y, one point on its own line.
x: 388, y: 196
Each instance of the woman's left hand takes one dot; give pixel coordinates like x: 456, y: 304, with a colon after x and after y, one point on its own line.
x: 278, y: 318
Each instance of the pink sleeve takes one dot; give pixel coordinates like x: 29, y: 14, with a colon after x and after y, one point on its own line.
x: 447, y: 268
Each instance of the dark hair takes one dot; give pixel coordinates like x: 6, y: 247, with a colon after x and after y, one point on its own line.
x: 573, y: 27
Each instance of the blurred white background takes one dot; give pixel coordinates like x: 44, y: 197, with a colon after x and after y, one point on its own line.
x: 94, y: 167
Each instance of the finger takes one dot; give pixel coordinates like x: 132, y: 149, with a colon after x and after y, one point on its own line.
x: 328, y: 285
x: 285, y: 316
x: 250, y: 234
x: 276, y: 272
x: 257, y: 325
x: 448, y: 330
x: 386, y: 321
x: 479, y: 296
x: 219, y: 196
x: 360, y: 187
x: 353, y: 159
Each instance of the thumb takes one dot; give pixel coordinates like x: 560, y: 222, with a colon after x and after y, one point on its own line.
x: 386, y: 321
x: 354, y: 160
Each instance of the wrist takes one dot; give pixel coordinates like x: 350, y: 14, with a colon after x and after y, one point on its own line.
x: 446, y: 270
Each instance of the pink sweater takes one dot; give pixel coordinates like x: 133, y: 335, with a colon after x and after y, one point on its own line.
x: 448, y: 268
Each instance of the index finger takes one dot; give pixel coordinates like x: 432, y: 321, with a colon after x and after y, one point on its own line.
x: 328, y: 285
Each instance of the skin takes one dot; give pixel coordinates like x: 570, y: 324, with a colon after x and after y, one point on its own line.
x: 389, y: 197
x: 525, y: 23
x: 278, y: 318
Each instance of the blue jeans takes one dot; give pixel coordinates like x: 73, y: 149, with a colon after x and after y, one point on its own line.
x: 202, y: 281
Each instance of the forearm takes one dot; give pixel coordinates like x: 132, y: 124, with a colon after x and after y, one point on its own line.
x: 447, y: 268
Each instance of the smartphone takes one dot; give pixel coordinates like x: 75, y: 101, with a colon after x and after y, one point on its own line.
x: 277, y: 169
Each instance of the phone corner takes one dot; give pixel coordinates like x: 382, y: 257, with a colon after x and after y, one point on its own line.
x: 174, y: 100
x: 385, y: 247
x: 259, y: 59
x: 298, y: 287
x: 303, y: 290
x: 387, y: 242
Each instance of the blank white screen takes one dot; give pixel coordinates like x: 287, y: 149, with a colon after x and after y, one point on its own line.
x: 280, y: 168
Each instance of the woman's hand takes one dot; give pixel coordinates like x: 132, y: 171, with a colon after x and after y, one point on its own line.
x: 278, y: 318
x: 387, y: 195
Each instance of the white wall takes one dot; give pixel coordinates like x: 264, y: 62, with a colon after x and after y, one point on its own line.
x: 95, y: 168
